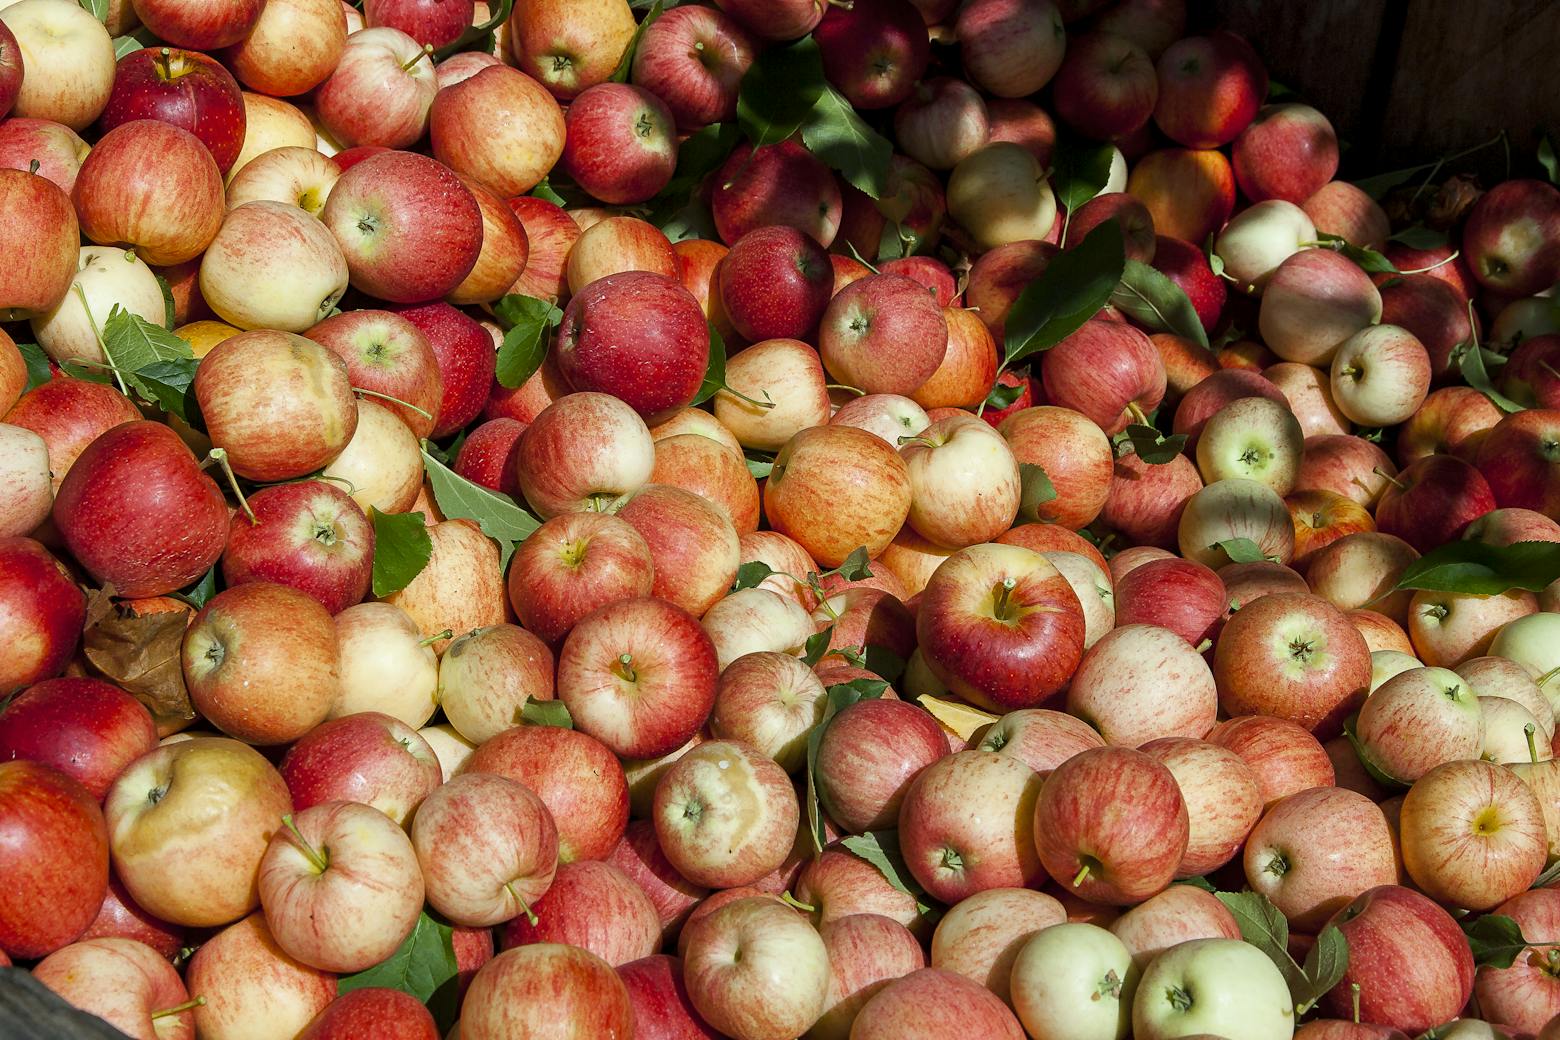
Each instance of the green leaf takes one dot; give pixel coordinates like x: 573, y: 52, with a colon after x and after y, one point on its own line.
x: 697, y: 157
x: 477, y: 36
x: 546, y: 713
x: 37, y: 362
x: 1081, y: 170
x: 715, y: 370
x: 97, y: 8
x: 1151, y: 446
x: 816, y: 646
x: 1075, y: 285
x: 402, y: 549
x: 1037, y: 491
x: 881, y: 849
x: 531, y: 322
x: 497, y: 514
x: 1156, y: 302
x: 839, y: 697
x: 896, y: 241
x: 848, y: 693
x: 759, y: 463
x: 130, y: 43
x: 1484, y: 570
x: 1548, y: 160
x: 1496, y: 940
x: 836, y: 134
x: 1241, y: 550
x: 883, y: 661
x: 620, y: 74
x: 544, y: 190
x: 131, y: 342
x: 1376, y: 773
x: 779, y: 91
x: 1324, y: 967
x: 1472, y: 364
x: 857, y: 565
x: 170, y: 385
x: 1263, y: 926
x: 168, y: 304
x: 1419, y: 237
x: 424, y: 966
x: 200, y: 593
x: 751, y: 574
x: 1003, y: 395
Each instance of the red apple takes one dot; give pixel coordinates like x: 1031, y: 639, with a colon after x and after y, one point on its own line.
x: 873, y: 51
x: 120, y: 917
x: 776, y: 19
x: 775, y: 284
x: 86, y: 728
x: 367, y: 757
x: 124, y: 983
x: 1108, y: 371
x: 870, y: 754
x: 777, y: 184
x: 201, y: 25
x: 43, y: 243
x: 547, y: 988
x: 373, y: 1011
x: 1184, y: 264
x: 55, y: 859
x: 932, y: 1004
x: 1106, y: 88
x: 1183, y: 596
x: 1145, y: 502
x: 1210, y: 88
x: 1011, y: 48
x: 1520, y: 458
x: 184, y: 88
x: 1432, y: 500
x: 816, y: 470
x: 309, y: 535
x: 1509, y: 237
x: 462, y: 118
x: 435, y: 22
x: 380, y: 92
x: 463, y: 353
x: 389, y: 355
x: 293, y: 47
x: 693, y: 59
x: 1189, y: 192
x: 41, y: 613
x: 1287, y: 152
x: 662, y: 1010
x: 56, y: 148
x: 574, y: 564
x: 1137, y: 225
x: 621, y: 145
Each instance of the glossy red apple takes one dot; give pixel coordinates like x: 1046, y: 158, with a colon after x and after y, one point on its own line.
x: 873, y: 51
x: 55, y: 858
x: 185, y: 88
x: 1210, y: 88
x: 86, y: 728
x: 41, y: 613
x: 776, y: 184
x: 621, y: 145
x: 693, y: 59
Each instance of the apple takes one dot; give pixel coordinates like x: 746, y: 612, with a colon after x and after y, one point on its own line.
x: 340, y: 886
x: 817, y: 469
x: 1306, y: 389
x: 999, y: 275
x: 389, y: 356
x: 410, y: 231
x: 1255, y: 438
x: 1448, y: 628
x: 571, y: 45
x: 1190, y: 193
x: 755, y: 968
x: 86, y: 728
x: 1040, y: 738
x: 386, y: 666
x: 1107, y: 371
x: 245, y: 977
x: 487, y: 455
x: 436, y: 23
x: 71, y: 58
x: 1011, y: 48
x: 105, y: 278
x: 620, y: 145
x: 1184, y: 597
x: 694, y: 62
x: 150, y: 534
x: 777, y: 184
x: 1210, y: 88
x: 464, y: 352
x: 300, y: 177
x: 869, y: 754
x: 1224, y: 387
x: 693, y: 544
x: 579, y: 781
x: 783, y: 391
x: 943, y: 120
x: 1323, y: 517
x: 293, y: 47
x: 1316, y: 850
x: 1493, y: 820
x: 1075, y: 454
x: 1025, y: 123
x: 962, y: 1007
x: 1433, y: 500
x: 1452, y: 420
x: 1523, y: 995
x: 1500, y: 677
x: 964, y: 482
x: 873, y: 52
x: 359, y: 1012
x: 56, y: 148
x: 123, y: 982
x: 487, y: 846
x: 1106, y: 87
x: 662, y: 1009
x: 1380, y: 376
x: 272, y: 123
x: 639, y: 856
x: 188, y: 824
x: 1145, y: 502
x: 309, y: 535
x: 1137, y: 225
x: 1074, y: 980
x: 596, y: 907
x: 775, y: 19
x: 1429, y: 985
x: 487, y: 676
x: 866, y: 953
x: 1518, y: 458
x: 1434, y: 311
x: 1288, y: 151
x: 1313, y: 302
x: 380, y: 91
x: 1350, y: 466
x: 1113, y: 692
x: 1439, y: 708
x: 1235, y: 508
x: 884, y: 335
x: 547, y: 987
x: 1505, y: 237
x: 1339, y: 208
x: 1285, y: 757
x: 999, y: 195
x: 725, y: 815
x: 710, y: 469
x: 367, y: 757
x: 775, y: 284
x: 1244, y: 582
x: 283, y: 249
x: 1179, y: 914
x: 981, y: 936
x: 574, y: 564
x: 1260, y: 238
x: 584, y: 449
x: 41, y: 613
x: 614, y: 244
x: 55, y: 859
x: 1209, y: 985
x: 186, y: 89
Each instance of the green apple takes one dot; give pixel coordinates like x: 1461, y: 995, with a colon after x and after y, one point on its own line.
x: 1221, y: 986
x: 1533, y: 642
x: 1074, y: 982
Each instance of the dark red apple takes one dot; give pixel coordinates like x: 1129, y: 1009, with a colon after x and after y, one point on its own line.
x: 1520, y: 459
x: 775, y: 284
x: 465, y: 355
x: 662, y: 1010
x: 1431, y: 501
x: 621, y: 144
x: 86, y: 728
x: 1134, y: 219
x: 1512, y: 237
x: 1184, y: 596
x: 202, y: 25
x: 41, y: 613
x: 487, y: 455
x: 137, y: 511
x: 390, y: 357
x: 638, y: 336
x: 309, y: 535
x: 366, y: 757
x: 777, y: 184
x: 53, y: 856
x: 186, y: 88
x: 873, y: 51
x: 429, y: 22
x: 1433, y: 310
x: 1106, y: 87
x: 1185, y: 265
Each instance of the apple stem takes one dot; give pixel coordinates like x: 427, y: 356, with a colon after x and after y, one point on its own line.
x: 320, y: 862
x: 1354, y: 1000
x: 1543, y: 679
x: 1439, y: 263
x: 1003, y: 593
x: 165, y: 62
x: 1082, y: 876
x: 624, y: 669
x: 97, y: 334
x: 1547, y: 367
x: 1389, y: 478
x: 393, y: 400
x: 530, y: 915
x: 446, y: 634
x: 1206, y: 644
x: 857, y: 391
x: 792, y: 901
x: 33, y: 165
x: 1528, y: 731
x: 219, y: 456
x: 1136, y: 411
x: 911, y: 438
x: 188, y: 1005
x: 427, y: 51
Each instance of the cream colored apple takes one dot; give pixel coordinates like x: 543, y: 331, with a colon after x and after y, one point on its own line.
x: 1448, y: 628
x: 293, y: 47
x: 462, y: 587
x: 1385, y: 664
x: 68, y: 59
x: 105, y: 278
x: 1309, y: 393
x: 1235, y: 508
x: 1259, y: 238
x: 252, y: 988
x: 1505, y: 678
x: 890, y: 416
x: 1074, y: 982
x: 296, y: 176
x: 381, y: 467
x: 1512, y: 733
x: 449, y: 747
x: 770, y: 700
x: 783, y: 392
x: 1380, y: 376
x: 272, y: 266
x: 26, y: 490
x: 964, y: 482
x: 124, y: 982
x: 1534, y: 643
x: 487, y: 676
x: 751, y: 620
x: 385, y: 665
x: 271, y: 123
x: 1000, y: 195
x: 1213, y: 987
x: 1362, y: 569
x: 981, y: 935
x: 1094, y: 591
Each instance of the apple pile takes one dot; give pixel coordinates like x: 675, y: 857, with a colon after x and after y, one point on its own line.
x: 882, y: 520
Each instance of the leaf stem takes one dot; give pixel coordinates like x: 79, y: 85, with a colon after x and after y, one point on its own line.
x: 446, y: 634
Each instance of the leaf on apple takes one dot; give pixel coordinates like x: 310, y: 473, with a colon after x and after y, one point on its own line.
x: 1072, y: 289
x: 838, y: 697
x: 751, y: 575
x: 1156, y: 302
x: 1419, y: 237
x: 97, y: 8
x: 759, y: 463
x: 1265, y: 927
x: 1324, y: 967
x: 1369, y: 260
x: 1376, y: 773
x: 836, y: 134
x: 1548, y: 160
x: 881, y: 849
x: 1003, y: 395
x: 497, y: 514
x: 779, y: 91
x: 1484, y: 570
x: 620, y: 74
x: 817, y: 646
x: 424, y: 966
x: 1080, y: 170
x: 402, y: 549
x: 142, y: 654
x: 151, y: 361
x: 1150, y: 445
x: 1242, y: 550
x: 546, y: 713
x: 37, y: 362
x: 530, y: 322
x: 855, y: 567
x: 544, y: 190
x: 168, y: 304
x: 1037, y: 490
x: 1496, y: 940
x: 129, y: 43
x: 715, y: 378
x: 477, y: 37
x: 697, y: 157
x: 200, y: 593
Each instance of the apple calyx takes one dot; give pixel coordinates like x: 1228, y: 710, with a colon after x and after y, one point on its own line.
x: 426, y: 52
x: 623, y: 668
x: 446, y: 634
x: 1278, y: 866
x: 1179, y: 998
x: 319, y: 860
x: 188, y: 1005
x: 1109, y: 986
x: 951, y: 860
x: 530, y: 915
x: 393, y: 400
x: 1302, y: 649
x: 220, y: 457
x: 644, y: 126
